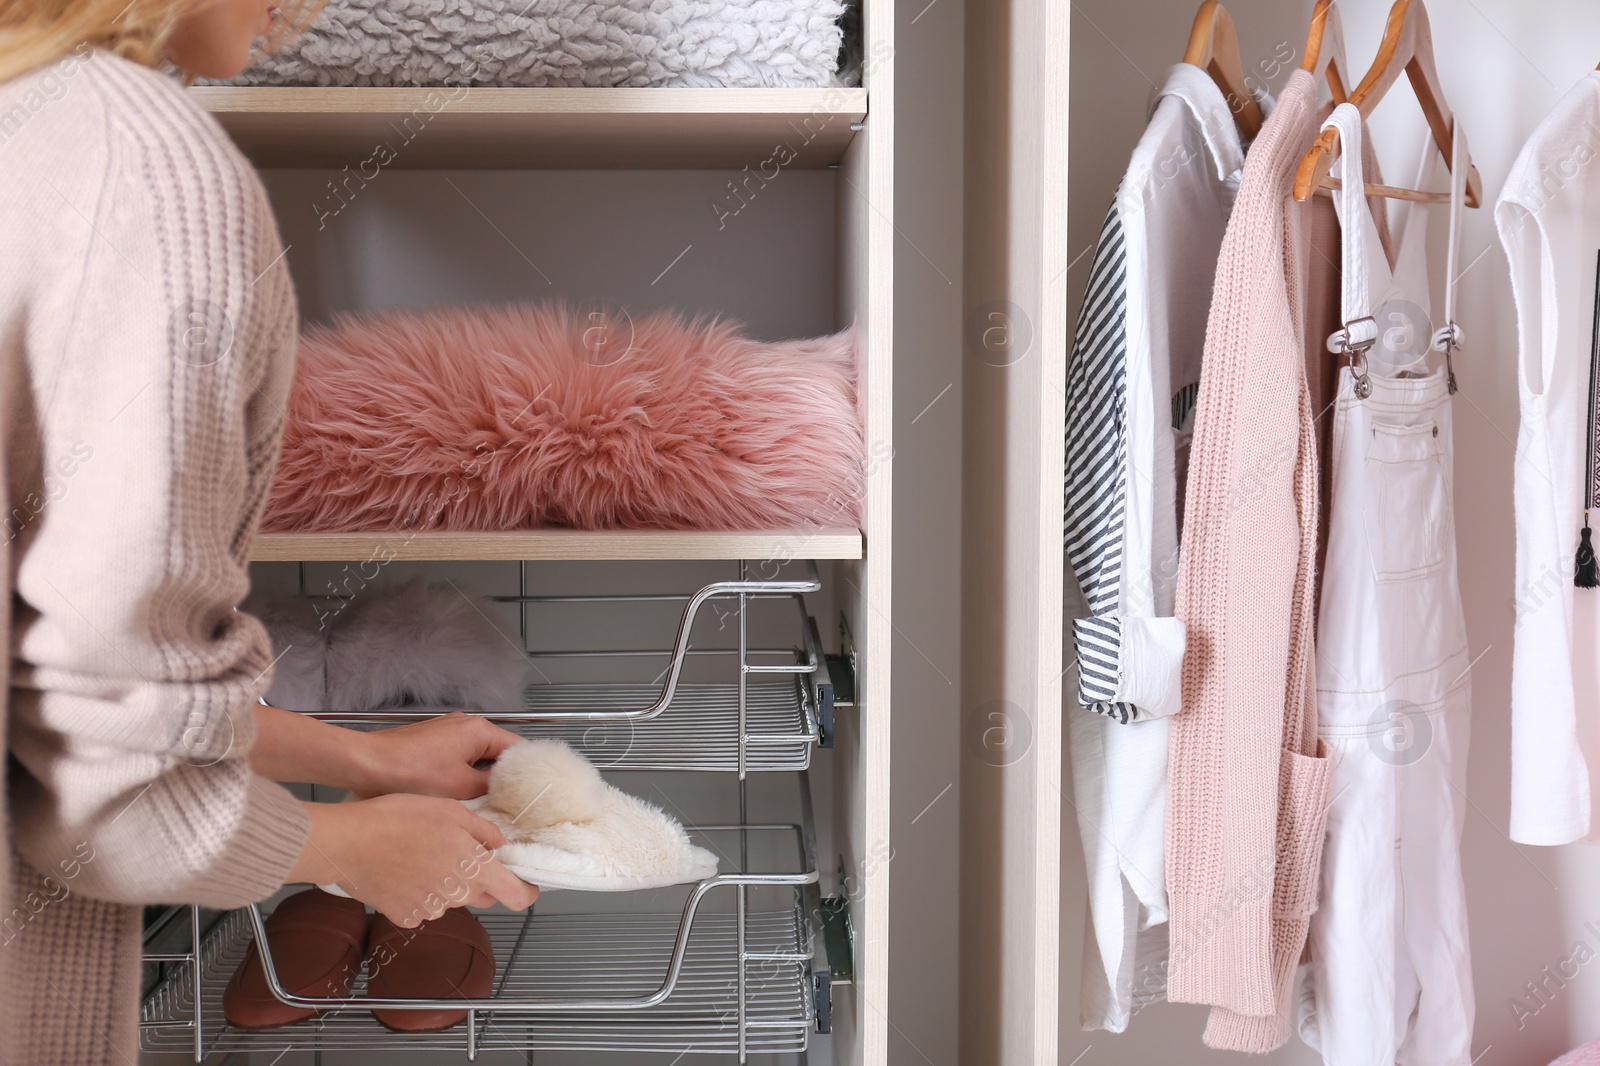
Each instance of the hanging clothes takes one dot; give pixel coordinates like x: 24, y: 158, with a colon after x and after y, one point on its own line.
x: 1248, y: 786
x: 1390, y: 978
x: 1548, y: 217
x: 1131, y: 384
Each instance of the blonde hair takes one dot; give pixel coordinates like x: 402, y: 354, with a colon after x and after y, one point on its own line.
x: 38, y: 32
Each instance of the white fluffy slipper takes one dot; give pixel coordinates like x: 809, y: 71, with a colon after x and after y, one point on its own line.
x: 566, y: 828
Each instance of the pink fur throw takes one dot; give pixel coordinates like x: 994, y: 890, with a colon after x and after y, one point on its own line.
x: 504, y: 418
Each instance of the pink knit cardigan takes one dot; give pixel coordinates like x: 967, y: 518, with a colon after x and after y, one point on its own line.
x: 147, y: 324
x: 1249, y: 785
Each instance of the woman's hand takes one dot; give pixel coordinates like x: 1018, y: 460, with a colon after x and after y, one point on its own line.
x: 411, y: 858
x: 435, y: 757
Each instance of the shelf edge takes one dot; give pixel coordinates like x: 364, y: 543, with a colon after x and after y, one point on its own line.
x: 560, y: 544
x: 383, y: 100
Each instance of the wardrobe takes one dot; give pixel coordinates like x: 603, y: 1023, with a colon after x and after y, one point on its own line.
x: 1074, y: 88
x: 773, y: 206
x: 645, y: 198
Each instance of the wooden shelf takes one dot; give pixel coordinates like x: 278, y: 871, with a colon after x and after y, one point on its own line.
x: 369, y: 129
x: 557, y: 544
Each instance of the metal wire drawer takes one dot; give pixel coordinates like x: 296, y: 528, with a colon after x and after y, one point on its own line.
x: 612, y: 954
x: 738, y: 982
x: 763, y: 709
x: 740, y: 970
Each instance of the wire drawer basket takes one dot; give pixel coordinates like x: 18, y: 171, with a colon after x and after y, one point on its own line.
x: 765, y: 709
x: 738, y: 982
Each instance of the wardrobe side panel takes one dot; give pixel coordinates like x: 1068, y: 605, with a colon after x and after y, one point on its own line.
x: 1014, y: 346
x: 865, y: 275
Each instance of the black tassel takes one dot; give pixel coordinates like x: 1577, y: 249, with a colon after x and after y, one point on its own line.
x: 1585, y: 575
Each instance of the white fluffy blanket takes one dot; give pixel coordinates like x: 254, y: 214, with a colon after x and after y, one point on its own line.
x: 745, y: 43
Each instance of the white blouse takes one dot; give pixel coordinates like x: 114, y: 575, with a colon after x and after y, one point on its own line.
x: 1548, y: 217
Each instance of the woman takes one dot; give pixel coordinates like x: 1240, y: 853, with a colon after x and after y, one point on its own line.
x: 147, y: 330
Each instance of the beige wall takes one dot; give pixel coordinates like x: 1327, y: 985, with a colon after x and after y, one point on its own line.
x: 1503, y: 64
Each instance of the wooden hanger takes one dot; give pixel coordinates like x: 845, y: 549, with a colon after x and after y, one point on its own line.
x: 1214, y: 47
x: 1326, y: 26
x: 1407, y: 45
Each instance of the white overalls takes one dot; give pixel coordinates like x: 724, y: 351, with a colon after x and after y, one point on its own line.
x: 1391, y: 980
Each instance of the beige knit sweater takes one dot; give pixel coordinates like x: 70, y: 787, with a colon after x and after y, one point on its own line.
x: 1249, y: 786
x: 147, y: 325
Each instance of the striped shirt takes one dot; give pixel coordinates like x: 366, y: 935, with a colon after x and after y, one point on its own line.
x: 1132, y: 382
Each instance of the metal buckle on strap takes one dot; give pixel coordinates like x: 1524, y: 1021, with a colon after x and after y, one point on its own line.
x: 1447, y: 339
x: 1356, y: 352
x: 1340, y: 341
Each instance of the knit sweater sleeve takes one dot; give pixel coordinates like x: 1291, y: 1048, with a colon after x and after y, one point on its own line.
x: 157, y: 369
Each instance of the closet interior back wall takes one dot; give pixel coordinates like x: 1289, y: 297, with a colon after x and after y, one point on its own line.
x: 1504, y: 65
x: 734, y: 243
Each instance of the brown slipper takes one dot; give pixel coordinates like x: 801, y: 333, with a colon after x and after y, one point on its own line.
x: 317, y: 942
x: 449, y: 957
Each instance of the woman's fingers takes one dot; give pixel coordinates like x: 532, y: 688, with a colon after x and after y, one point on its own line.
x: 492, y: 738
x: 412, y: 857
x: 439, y: 756
x: 506, y: 886
x: 424, y: 910
x: 469, y: 783
x: 483, y: 831
x: 490, y: 875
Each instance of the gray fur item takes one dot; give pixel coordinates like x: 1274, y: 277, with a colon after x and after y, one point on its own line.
x: 298, y: 650
x: 577, y: 43
x: 410, y: 644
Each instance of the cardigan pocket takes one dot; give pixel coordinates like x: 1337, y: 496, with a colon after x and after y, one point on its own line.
x: 1304, y: 782
x: 1407, y: 507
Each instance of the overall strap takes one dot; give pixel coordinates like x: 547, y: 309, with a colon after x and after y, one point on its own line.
x: 1359, y: 331
x: 1448, y: 336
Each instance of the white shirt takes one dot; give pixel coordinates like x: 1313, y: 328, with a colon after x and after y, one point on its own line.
x: 1548, y: 217
x: 1132, y: 379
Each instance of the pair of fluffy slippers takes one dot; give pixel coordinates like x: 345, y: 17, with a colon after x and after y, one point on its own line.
x: 411, y: 644
x: 565, y: 827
